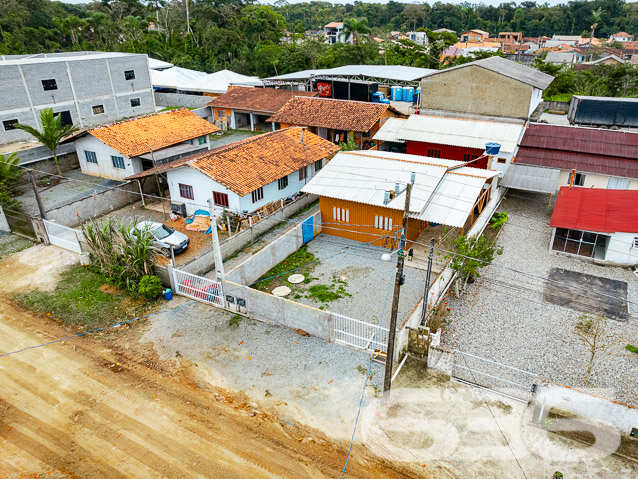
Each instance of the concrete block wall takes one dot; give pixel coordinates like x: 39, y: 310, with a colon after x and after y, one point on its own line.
x: 258, y: 264
x: 622, y: 417
x: 75, y: 213
x: 283, y: 312
x: 441, y: 358
x: 181, y: 99
x: 206, y: 262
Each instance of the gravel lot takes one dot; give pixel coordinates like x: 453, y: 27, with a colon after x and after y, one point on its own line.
x: 367, y: 277
x: 80, y: 186
x: 302, y: 379
x: 503, y: 316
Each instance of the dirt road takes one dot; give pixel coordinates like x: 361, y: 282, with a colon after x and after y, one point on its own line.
x: 94, y: 407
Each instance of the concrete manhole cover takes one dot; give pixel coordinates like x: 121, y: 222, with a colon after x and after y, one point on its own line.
x: 296, y: 278
x: 281, y: 291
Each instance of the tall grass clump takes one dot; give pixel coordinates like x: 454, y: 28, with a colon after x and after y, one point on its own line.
x: 120, y: 251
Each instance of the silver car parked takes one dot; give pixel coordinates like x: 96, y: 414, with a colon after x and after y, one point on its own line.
x: 165, y: 237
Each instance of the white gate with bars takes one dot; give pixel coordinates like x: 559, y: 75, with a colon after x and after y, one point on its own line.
x: 63, y: 236
x: 198, y: 287
x: 506, y: 380
x: 360, y: 334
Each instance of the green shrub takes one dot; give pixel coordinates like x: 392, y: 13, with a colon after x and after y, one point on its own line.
x: 150, y: 287
x: 631, y: 348
x: 498, y: 220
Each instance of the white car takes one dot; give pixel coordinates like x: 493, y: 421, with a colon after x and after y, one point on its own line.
x: 165, y: 237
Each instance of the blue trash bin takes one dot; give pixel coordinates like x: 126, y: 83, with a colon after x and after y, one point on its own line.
x: 168, y: 294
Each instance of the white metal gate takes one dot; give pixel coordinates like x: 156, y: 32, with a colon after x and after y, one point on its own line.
x: 360, y: 334
x: 63, y: 236
x: 498, y: 377
x: 199, y: 288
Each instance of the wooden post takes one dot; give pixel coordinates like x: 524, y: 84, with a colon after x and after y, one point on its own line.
x: 38, y: 200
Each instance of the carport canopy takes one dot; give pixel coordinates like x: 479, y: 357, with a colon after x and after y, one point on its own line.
x: 531, y: 178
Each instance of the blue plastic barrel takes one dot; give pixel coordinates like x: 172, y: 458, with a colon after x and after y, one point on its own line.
x: 492, y: 148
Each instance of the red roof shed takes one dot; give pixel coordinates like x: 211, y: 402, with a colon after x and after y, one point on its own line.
x: 597, y: 210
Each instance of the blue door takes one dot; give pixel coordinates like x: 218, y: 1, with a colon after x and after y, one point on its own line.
x: 307, y: 229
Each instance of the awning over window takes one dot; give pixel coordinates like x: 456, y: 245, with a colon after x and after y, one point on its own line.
x: 531, y: 178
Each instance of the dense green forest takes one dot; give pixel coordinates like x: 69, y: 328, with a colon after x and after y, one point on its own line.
x: 247, y: 37
x: 250, y: 38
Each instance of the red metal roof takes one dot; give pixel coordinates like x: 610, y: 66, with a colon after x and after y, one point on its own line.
x: 606, y: 152
x: 596, y: 209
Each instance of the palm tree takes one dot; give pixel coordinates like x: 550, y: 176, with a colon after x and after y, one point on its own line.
x: 52, y: 132
x: 596, y: 16
x: 353, y: 27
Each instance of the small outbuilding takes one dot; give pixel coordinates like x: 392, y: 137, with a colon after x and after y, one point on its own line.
x: 596, y: 223
x: 243, y: 107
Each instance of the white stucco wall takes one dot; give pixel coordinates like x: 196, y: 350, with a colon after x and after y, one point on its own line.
x: 591, y: 180
x: 104, y: 167
x: 535, y: 100
x: 203, y: 186
x: 620, y: 249
x: 501, y: 167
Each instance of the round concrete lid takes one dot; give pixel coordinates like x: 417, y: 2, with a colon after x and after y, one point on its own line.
x: 281, y: 291
x: 296, y: 278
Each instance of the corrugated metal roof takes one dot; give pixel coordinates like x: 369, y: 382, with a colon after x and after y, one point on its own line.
x: 389, y: 130
x: 591, y: 150
x: 531, y: 178
x: 509, y: 69
x: 460, y: 132
x: 437, y: 195
x: 596, y: 209
x: 388, y: 72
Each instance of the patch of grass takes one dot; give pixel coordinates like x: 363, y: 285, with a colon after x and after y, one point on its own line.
x: 235, y: 320
x: 298, y: 296
x: 309, y: 279
x: 77, y: 300
x: 632, y: 349
x: 297, y: 261
x: 322, y: 293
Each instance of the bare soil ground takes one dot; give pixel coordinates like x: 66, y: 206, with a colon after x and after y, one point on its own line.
x: 106, y: 406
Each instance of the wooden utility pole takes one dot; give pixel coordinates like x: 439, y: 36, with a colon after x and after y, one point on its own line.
x: 398, y: 281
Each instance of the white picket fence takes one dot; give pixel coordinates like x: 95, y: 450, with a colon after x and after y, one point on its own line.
x: 63, y: 236
x: 360, y: 334
x: 199, y: 288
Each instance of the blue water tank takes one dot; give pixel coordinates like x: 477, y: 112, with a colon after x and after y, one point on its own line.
x: 492, y: 148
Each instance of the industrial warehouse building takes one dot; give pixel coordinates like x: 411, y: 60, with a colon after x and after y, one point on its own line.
x: 86, y: 88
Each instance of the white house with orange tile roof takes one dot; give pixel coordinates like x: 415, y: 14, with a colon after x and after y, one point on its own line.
x: 245, y: 175
x: 128, y: 147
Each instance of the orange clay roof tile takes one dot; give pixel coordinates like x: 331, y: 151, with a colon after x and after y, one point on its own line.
x: 248, y: 164
x: 153, y: 132
x: 343, y: 115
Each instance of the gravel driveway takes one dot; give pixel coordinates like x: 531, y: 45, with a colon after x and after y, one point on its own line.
x: 301, y: 378
x: 503, y: 316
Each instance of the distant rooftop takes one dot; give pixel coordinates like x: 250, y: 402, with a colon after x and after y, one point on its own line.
x: 59, y: 57
x: 385, y: 72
